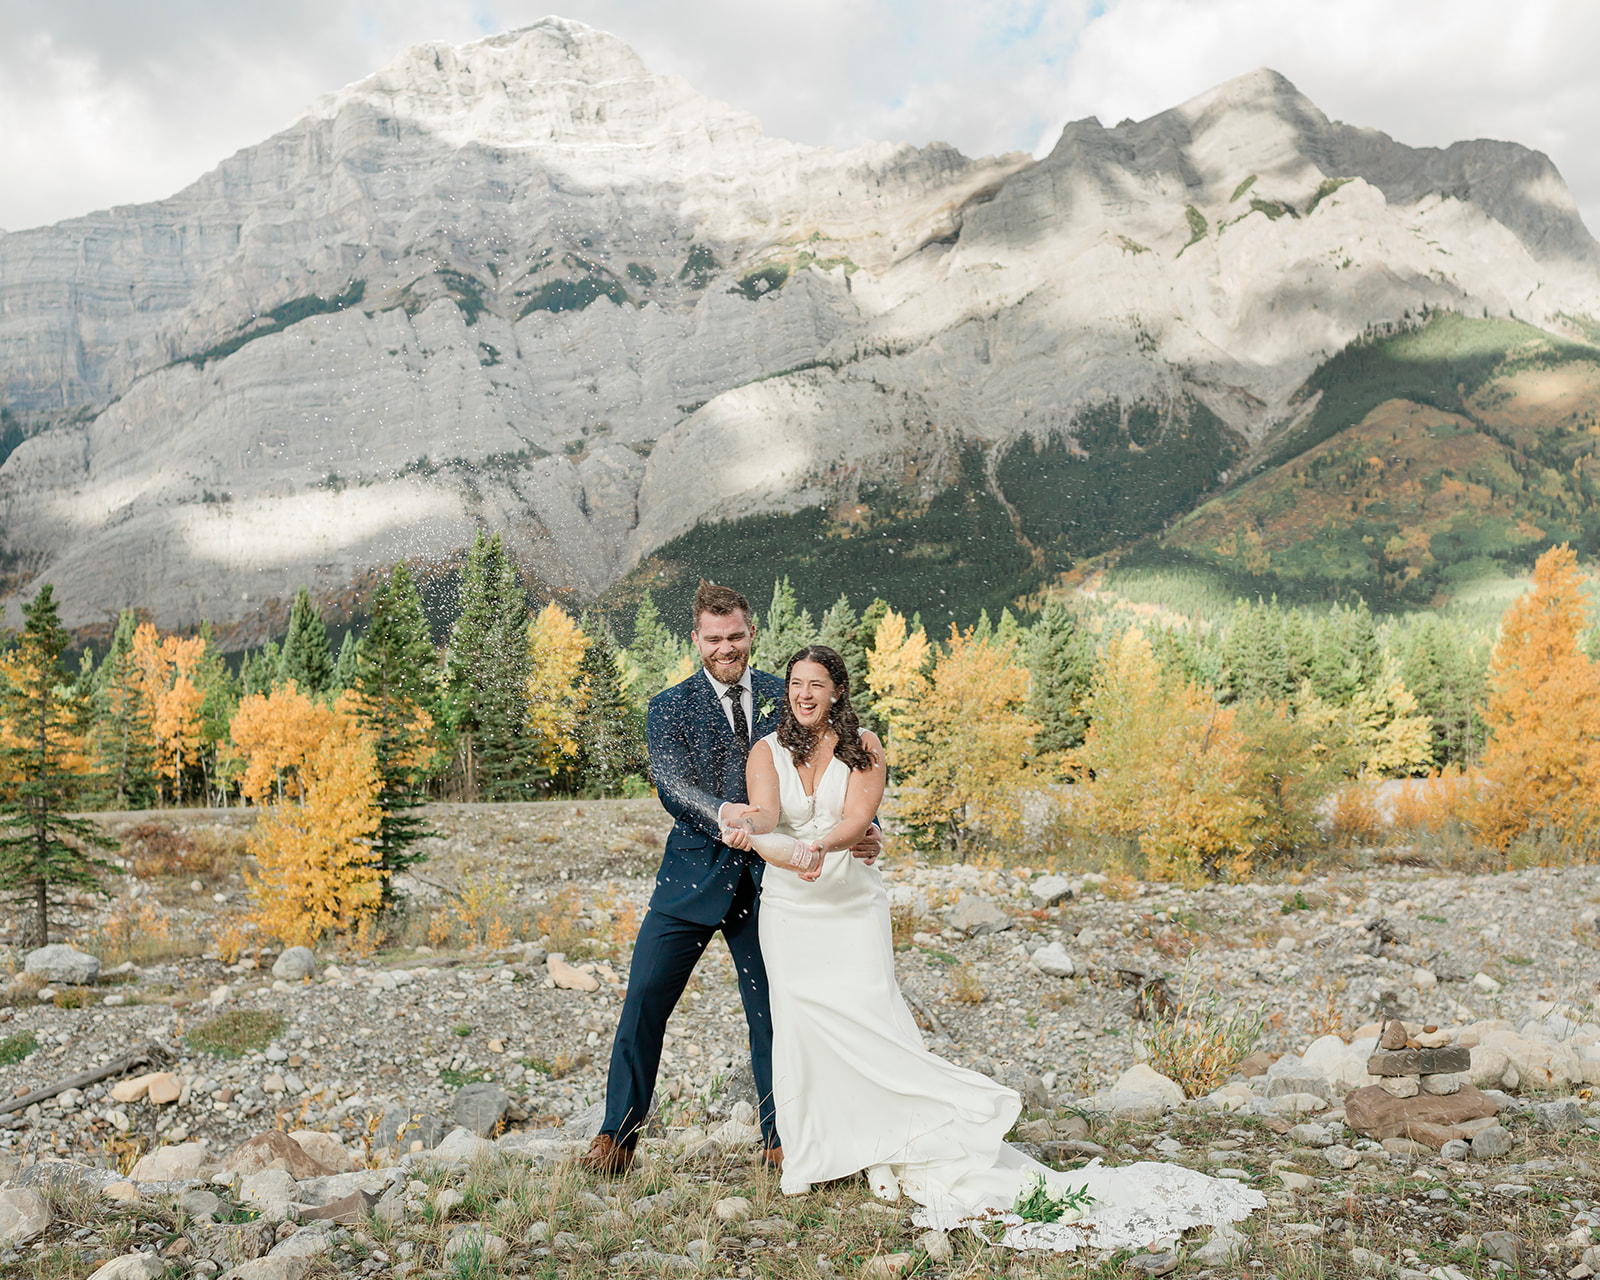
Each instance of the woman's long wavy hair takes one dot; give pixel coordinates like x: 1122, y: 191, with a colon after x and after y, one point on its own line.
x: 800, y: 740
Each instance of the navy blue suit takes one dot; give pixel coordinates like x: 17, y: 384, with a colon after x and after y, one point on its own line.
x: 698, y: 764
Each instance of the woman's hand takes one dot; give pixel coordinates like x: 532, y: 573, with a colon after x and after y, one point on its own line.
x: 812, y: 853
x: 735, y: 837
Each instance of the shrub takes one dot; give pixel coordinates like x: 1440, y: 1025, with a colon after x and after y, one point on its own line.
x: 1199, y: 1045
x: 14, y: 1048
x: 235, y: 1033
x: 965, y: 986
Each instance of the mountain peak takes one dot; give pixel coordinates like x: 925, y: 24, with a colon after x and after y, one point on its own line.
x: 555, y: 81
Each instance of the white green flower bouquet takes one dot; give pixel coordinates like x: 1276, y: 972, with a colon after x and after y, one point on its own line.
x: 1048, y: 1201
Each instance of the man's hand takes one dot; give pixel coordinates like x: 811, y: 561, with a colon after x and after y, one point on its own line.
x: 869, y: 846
x: 730, y: 814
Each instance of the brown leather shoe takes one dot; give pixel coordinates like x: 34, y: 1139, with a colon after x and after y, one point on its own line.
x: 773, y: 1156
x: 606, y: 1157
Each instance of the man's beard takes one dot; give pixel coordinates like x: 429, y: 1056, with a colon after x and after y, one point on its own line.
x: 729, y: 672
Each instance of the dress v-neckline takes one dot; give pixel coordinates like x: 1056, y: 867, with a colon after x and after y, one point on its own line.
x: 816, y: 782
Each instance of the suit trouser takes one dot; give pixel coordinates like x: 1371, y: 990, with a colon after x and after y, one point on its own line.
x: 664, y: 956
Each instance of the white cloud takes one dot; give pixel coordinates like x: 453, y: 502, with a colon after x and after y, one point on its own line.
x: 107, y: 102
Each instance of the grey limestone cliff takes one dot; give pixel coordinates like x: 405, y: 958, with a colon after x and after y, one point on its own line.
x: 527, y: 284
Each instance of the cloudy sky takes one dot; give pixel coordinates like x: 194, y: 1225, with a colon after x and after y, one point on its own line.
x: 116, y: 101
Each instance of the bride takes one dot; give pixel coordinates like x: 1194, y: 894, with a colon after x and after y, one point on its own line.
x: 854, y: 1087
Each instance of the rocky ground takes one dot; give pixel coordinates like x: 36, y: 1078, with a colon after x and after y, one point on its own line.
x: 491, y: 1006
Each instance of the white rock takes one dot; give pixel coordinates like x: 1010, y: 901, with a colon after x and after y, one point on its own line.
x: 1047, y: 891
x: 178, y: 1162
x: 1400, y: 1086
x: 1053, y: 961
x: 1484, y: 983
x: 295, y: 964
x: 1226, y: 1246
x: 461, y: 1146
x: 60, y: 963
x: 130, y: 1266
x: 1444, y: 1083
x: 24, y: 1215
x: 1139, y: 1091
x: 325, y: 1149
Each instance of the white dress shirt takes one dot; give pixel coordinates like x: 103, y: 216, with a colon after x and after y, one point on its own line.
x: 746, y: 698
x: 723, y: 701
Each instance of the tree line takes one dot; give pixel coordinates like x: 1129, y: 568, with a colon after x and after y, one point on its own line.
x: 1209, y: 749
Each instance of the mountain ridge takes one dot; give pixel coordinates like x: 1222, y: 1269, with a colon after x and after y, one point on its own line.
x: 527, y: 284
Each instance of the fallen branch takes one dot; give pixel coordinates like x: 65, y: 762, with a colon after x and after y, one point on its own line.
x: 151, y: 1056
x: 926, y: 1014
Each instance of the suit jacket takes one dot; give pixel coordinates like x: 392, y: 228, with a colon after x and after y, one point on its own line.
x: 698, y: 764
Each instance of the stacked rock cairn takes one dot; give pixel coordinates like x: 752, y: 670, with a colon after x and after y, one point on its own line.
x: 1407, y: 1067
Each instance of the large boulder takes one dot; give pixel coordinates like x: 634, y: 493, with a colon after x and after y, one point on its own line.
x: 177, y: 1163
x: 1540, y: 1064
x: 480, y: 1107
x: 1047, y: 891
x: 1053, y: 961
x: 275, y: 1150
x: 24, y: 1215
x: 977, y: 916
x: 59, y: 963
x: 325, y: 1149
x: 1375, y: 1113
x: 1140, y: 1092
x: 295, y: 964
x: 1490, y: 1067
x: 1343, y: 1066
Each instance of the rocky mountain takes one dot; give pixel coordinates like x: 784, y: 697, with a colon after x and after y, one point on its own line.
x: 527, y: 284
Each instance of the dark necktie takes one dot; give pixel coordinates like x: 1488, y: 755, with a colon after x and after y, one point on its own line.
x: 741, y: 726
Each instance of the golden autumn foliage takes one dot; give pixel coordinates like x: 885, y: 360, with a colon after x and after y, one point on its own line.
x: 1169, y: 767
x: 556, y: 692
x: 960, y: 740
x: 167, y: 667
x: 1542, y: 764
x: 894, y: 669
x: 275, y: 733
x: 1381, y: 732
x: 317, y: 871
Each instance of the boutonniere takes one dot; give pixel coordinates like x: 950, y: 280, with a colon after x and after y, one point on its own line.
x: 765, y: 708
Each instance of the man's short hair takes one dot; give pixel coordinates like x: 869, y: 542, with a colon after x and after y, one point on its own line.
x: 722, y: 601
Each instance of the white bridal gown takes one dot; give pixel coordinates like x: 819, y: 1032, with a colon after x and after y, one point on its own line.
x: 856, y: 1090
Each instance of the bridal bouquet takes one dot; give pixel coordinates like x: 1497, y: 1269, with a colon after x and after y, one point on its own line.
x: 1049, y: 1202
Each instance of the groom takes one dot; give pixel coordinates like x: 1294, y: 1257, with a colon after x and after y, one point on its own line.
x: 699, y: 733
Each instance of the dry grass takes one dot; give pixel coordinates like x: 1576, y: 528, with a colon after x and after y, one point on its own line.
x: 141, y: 932
x: 965, y: 986
x: 155, y: 850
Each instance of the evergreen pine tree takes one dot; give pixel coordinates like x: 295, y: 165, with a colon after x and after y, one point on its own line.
x: 841, y: 631
x: 1061, y: 661
x: 396, y: 700
x: 40, y: 846
x: 258, y: 673
x: 654, y: 655
x: 610, y: 736
x: 344, y: 666
x: 785, y: 629
x: 219, y: 701
x: 124, y: 734
x: 307, y: 658
x: 487, y: 677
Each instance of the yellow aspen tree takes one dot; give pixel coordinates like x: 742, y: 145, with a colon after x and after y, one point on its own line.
x: 556, y: 692
x: 169, y: 665
x: 1168, y: 766
x: 894, y: 670
x: 962, y: 748
x: 317, y: 869
x: 273, y: 734
x: 1381, y: 734
x: 1542, y: 763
